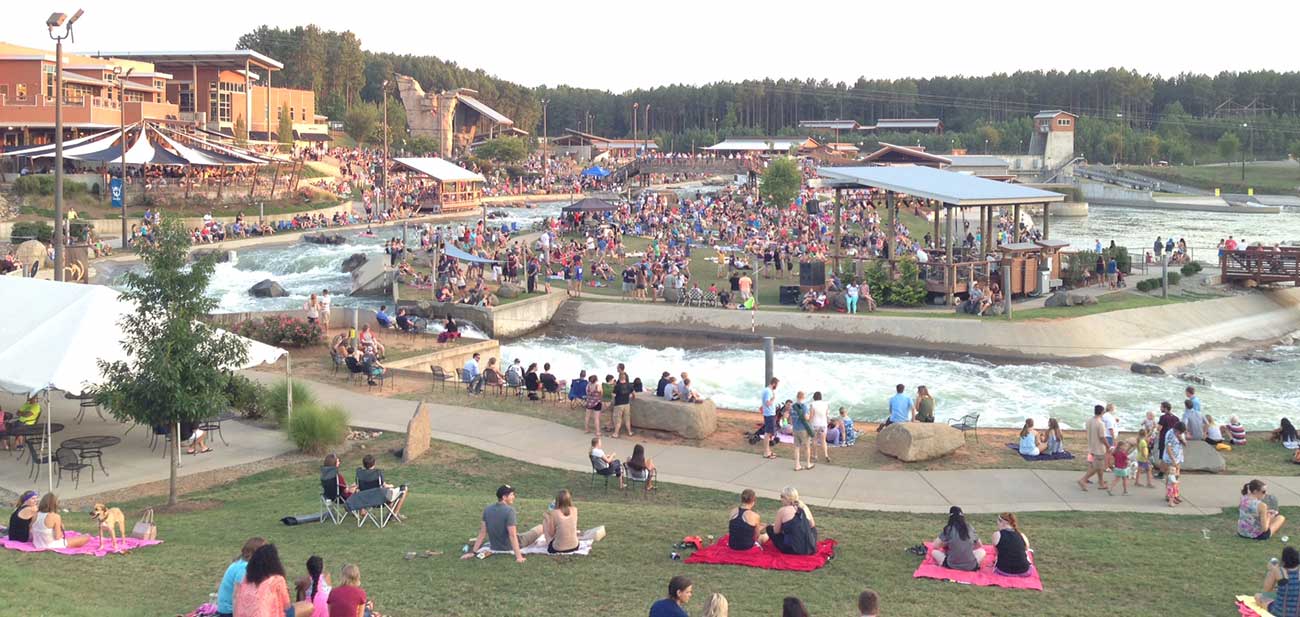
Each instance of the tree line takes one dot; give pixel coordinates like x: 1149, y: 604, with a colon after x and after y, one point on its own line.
x: 1125, y: 114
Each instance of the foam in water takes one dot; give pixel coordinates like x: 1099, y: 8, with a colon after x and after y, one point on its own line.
x: 1260, y: 393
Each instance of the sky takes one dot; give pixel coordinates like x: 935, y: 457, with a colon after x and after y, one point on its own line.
x: 622, y: 44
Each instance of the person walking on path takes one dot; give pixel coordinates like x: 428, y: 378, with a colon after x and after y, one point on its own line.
x: 1097, y: 450
x: 802, y: 431
x: 325, y: 305
x: 767, y: 406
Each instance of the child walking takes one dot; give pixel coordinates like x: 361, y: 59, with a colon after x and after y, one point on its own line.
x: 1172, y: 495
x: 1143, y: 458
x: 1120, y: 459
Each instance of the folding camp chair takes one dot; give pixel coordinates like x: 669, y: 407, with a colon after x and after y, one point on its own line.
x: 331, y: 502
x: 599, y: 469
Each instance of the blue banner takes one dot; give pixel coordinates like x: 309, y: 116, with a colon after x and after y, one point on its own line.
x: 115, y: 191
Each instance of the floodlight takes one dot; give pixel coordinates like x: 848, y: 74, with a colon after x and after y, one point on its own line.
x: 76, y: 16
x: 56, y: 20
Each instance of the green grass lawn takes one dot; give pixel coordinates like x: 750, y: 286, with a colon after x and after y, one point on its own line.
x: 1091, y: 563
x: 1263, y: 178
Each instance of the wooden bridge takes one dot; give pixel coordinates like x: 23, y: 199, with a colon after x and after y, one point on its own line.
x: 691, y: 166
x: 1262, y: 265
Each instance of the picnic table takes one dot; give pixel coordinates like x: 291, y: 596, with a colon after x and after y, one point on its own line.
x: 91, y: 446
x: 33, y: 430
x: 85, y: 401
x: 214, y: 424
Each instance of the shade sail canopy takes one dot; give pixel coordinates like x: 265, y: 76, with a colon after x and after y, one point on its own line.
x: 440, y: 169
x: 67, y: 143
x: 590, y: 204
x: 148, y: 144
x: 949, y: 187
x: 456, y: 253
x: 63, y: 330
x: 595, y: 172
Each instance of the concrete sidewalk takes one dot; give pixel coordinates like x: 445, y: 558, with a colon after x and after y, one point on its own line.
x: 978, y: 491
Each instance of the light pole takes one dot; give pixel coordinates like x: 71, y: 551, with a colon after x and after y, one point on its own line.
x: 383, y: 173
x: 120, y: 78
x: 635, y: 106
x: 1246, y: 125
x: 57, y: 20
x: 1119, y: 158
x: 546, y: 149
x: 646, y: 148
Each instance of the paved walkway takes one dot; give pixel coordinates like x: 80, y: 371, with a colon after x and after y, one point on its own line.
x: 985, y: 490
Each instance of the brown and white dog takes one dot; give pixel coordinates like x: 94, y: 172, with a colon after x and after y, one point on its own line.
x: 108, y: 518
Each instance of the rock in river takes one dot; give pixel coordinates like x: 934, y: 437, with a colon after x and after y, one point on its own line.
x: 267, y: 289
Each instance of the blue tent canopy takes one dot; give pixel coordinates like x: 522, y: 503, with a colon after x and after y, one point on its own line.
x: 456, y: 253
x: 595, y: 172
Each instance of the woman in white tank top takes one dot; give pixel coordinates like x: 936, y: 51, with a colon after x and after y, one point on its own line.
x: 47, y: 527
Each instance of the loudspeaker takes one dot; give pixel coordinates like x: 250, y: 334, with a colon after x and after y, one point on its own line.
x: 812, y: 273
x: 790, y: 294
x: 814, y: 207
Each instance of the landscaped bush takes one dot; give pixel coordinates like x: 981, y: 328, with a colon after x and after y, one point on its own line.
x: 247, y: 397
x: 275, y: 400
x: 43, y: 184
x: 27, y: 230
x: 1190, y: 268
x: 1174, y: 278
x: 316, y: 430
x: 280, y: 331
x: 908, y: 289
x: 1077, y: 266
x: 1145, y: 285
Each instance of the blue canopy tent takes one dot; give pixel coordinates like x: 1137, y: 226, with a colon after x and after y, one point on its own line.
x: 595, y: 172
x: 455, y: 253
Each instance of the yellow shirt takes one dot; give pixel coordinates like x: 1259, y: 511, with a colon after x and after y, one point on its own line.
x: 1144, y: 451
x: 29, y: 413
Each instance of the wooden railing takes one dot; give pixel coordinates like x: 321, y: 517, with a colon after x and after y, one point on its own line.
x: 1262, y: 265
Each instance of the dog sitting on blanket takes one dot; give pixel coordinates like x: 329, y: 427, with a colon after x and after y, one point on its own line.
x: 110, y: 519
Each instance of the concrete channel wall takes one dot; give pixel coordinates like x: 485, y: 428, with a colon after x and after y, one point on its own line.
x: 1136, y: 335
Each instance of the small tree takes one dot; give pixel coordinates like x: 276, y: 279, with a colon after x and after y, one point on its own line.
x: 180, y: 367
x: 1228, y: 145
x: 781, y: 181
x: 360, y: 122
x: 502, y: 150
x: 241, y: 132
x: 1148, y: 148
x: 286, y: 128
x: 1294, y: 150
x: 990, y: 136
x: 908, y: 289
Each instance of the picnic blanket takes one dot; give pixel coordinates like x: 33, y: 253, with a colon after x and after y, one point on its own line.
x: 90, y: 548
x: 984, y: 577
x: 1059, y: 456
x: 765, y: 557
x: 1248, y: 607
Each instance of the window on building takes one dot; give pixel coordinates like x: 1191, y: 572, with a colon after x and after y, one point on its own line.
x: 4, y: 91
x: 132, y: 96
x: 1063, y: 122
x: 49, y: 80
x: 20, y: 92
x: 219, y: 101
x: 186, y: 98
x: 76, y: 93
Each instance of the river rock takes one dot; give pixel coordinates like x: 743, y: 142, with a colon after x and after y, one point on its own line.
x: 1146, y: 368
x: 508, y: 291
x: 1193, y: 378
x: 835, y: 300
x: 1201, y: 456
x: 354, y: 261
x: 672, y: 295
x: 419, y: 434
x: 1062, y: 298
x: 919, y: 441
x: 690, y: 420
x: 30, y: 252
x: 267, y: 289
x: 334, y: 239
x: 220, y: 256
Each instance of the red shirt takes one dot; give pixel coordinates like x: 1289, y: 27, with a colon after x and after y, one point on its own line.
x: 344, y: 601
x: 1121, y: 459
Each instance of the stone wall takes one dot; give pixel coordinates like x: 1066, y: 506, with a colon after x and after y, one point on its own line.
x: 509, y: 320
x: 451, y: 356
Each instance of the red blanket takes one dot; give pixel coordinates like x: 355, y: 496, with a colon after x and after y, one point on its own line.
x: 766, y: 556
x: 984, y: 577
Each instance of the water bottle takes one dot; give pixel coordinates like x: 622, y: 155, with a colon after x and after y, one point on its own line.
x: 464, y: 549
x: 1273, y: 562
x: 674, y: 556
x: 1285, y: 539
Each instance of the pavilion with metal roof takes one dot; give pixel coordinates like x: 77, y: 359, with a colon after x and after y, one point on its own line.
x: 942, y: 190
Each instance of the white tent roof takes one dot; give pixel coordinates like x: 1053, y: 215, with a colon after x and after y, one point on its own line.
x: 441, y: 169
x: 59, y: 331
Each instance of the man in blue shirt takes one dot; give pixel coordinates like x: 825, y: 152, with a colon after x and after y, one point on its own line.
x: 473, y: 379
x: 768, y: 407
x: 680, y: 589
x: 234, y: 576
x: 382, y: 318
x: 901, y: 408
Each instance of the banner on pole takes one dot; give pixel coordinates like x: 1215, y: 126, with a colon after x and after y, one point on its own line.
x: 115, y: 192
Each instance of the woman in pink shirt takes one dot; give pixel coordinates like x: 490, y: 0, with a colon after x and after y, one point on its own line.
x: 264, y: 592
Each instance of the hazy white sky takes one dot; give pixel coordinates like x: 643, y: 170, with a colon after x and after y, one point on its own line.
x: 624, y: 44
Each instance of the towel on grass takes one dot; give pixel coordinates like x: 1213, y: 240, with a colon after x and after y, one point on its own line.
x: 90, y: 548
x: 765, y: 557
x: 1248, y: 607
x: 1059, y: 456
x: 984, y: 577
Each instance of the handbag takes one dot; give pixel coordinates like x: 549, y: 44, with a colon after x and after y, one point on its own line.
x: 144, y: 528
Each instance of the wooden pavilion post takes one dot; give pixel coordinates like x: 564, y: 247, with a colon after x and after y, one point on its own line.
x: 990, y: 230
x: 222, y: 187
x: 297, y: 175
x: 252, y: 184
x: 1015, y: 224
x: 950, y: 273
x: 839, y: 248
x: 934, y: 208
x: 1045, y: 223
x: 893, y: 229
x: 275, y: 177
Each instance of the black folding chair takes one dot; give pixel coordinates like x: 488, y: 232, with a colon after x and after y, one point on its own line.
x: 68, y: 461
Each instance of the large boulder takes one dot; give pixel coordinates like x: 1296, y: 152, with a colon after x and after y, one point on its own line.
x: 1201, y: 456
x: 267, y: 289
x: 1062, y: 298
x: 672, y: 295
x: 354, y: 261
x: 919, y: 441
x: 509, y: 290
x: 30, y: 252
x: 419, y: 434
x: 690, y: 420
x: 324, y: 239
x: 1146, y: 368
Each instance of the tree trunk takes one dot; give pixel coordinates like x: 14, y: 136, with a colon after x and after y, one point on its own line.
x: 171, y: 480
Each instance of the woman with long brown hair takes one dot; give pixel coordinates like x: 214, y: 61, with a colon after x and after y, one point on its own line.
x: 1013, y: 547
x: 924, y: 405
x: 561, y: 524
x: 47, y: 527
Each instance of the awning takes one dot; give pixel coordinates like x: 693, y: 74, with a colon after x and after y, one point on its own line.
x: 951, y: 188
x: 67, y: 143
x: 440, y: 169
x: 595, y: 172
x: 456, y: 253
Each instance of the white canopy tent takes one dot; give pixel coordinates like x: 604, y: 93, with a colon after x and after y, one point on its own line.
x: 62, y: 332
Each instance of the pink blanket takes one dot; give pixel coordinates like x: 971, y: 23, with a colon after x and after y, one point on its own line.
x: 90, y: 548
x: 984, y: 577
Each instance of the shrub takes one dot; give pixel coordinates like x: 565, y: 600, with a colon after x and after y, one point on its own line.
x: 80, y: 230
x: 1148, y: 284
x: 1190, y: 268
x: 1076, y: 267
x: 28, y: 230
x: 908, y: 289
x: 275, y: 400
x: 247, y: 397
x: 36, y: 184
x: 1174, y: 278
x: 316, y: 429
x: 280, y: 330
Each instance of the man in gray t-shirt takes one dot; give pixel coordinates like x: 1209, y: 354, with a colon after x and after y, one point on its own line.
x: 1194, y: 421
x: 499, y: 528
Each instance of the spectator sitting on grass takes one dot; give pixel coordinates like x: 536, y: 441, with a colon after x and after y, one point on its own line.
x: 234, y: 576
x: 382, y: 318
x: 869, y: 604
x: 680, y: 589
x: 498, y: 528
